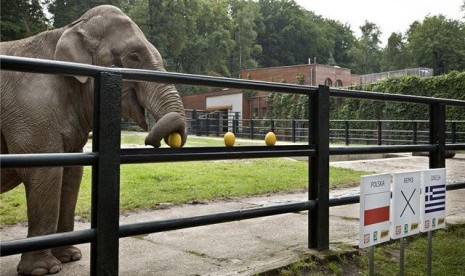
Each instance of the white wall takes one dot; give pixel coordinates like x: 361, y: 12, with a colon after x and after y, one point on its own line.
x: 233, y: 99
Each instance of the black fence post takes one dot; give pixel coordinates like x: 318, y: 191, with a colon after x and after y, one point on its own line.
x: 454, y: 132
x: 251, y: 129
x: 272, y: 125
x: 415, y: 133
x: 294, y: 131
x: 194, y: 121
x: 106, y: 174
x: 234, y: 129
x: 236, y: 125
x: 346, y: 132
x: 207, y: 122
x: 319, y: 169
x: 380, y: 132
x: 437, y: 135
x: 218, y: 123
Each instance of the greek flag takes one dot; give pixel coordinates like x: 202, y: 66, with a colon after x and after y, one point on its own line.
x: 435, y: 198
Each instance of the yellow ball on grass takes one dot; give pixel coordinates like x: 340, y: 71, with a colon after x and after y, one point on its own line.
x: 270, y: 139
x: 229, y: 139
x: 175, y: 140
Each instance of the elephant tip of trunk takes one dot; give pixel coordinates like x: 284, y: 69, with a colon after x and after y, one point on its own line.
x: 170, y: 123
x: 151, y: 142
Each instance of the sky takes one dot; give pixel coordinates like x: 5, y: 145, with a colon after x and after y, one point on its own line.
x: 389, y: 15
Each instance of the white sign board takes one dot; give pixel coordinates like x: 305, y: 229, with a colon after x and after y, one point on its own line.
x: 405, y: 205
x: 433, y: 200
x: 375, y: 197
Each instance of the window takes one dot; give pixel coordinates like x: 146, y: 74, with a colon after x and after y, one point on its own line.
x: 338, y: 83
x: 328, y: 82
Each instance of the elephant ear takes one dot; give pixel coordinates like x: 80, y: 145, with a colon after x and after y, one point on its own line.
x: 72, y: 47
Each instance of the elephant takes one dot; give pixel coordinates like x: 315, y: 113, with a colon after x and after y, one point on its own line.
x: 43, y: 113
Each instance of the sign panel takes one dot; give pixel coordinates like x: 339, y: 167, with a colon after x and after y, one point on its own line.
x: 375, y: 196
x: 433, y: 200
x: 405, y: 205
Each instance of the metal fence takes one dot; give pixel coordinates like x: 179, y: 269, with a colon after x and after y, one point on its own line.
x: 368, y: 132
x: 106, y: 158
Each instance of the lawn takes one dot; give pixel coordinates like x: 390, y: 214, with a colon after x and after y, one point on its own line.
x: 448, y: 258
x: 148, y: 186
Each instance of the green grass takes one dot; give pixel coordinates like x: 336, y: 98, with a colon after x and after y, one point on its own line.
x: 448, y: 258
x: 149, y: 186
x: 146, y: 186
x: 448, y: 254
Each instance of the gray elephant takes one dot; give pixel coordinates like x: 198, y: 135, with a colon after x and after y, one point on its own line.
x: 49, y: 113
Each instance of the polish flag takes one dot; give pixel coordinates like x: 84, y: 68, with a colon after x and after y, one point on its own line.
x: 376, y: 208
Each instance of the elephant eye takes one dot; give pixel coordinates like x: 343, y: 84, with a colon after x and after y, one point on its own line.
x: 134, y: 57
x: 116, y: 59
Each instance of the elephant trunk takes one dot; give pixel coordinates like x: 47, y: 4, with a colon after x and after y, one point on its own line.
x: 169, y: 123
x: 165, y: 105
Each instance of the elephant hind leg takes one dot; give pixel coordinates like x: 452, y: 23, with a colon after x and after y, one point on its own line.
x: 72, y: 177
x: 67, y: 254
x: 38, y: 263
x: 9, y: 179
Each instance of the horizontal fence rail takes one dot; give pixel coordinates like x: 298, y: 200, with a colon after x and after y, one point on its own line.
x: 341, y: 131
x: 106, y: 157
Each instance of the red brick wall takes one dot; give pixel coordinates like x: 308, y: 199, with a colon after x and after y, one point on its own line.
x: 314, y: 74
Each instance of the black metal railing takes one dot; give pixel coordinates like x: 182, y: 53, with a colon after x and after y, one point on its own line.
x: 106, y: 157
x: 365, y: 132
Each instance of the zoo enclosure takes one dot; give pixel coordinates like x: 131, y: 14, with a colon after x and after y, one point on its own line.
x: 106, y: 158
x: 389, y: 132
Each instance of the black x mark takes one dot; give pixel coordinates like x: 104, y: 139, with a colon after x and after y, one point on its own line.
x: 408, y: 202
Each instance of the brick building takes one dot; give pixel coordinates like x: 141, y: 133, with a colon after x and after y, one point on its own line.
x: 235, y: 100
x: 313, y: 75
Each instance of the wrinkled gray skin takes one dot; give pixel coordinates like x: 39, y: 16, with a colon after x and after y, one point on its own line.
x: 46, y: 113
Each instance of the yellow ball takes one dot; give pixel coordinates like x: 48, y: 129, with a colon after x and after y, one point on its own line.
x: 270, y: 139
x: 175, y: 140
x: 229, y: 139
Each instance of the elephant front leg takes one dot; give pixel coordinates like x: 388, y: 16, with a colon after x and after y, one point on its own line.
x: 72, y: 177
x: 43, y: 187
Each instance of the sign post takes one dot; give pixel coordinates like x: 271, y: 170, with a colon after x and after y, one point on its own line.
x: 433, y: 200
x: 375, y: 196
x: 433, y: 206
x: 405, y: 208
x: 405, y: 211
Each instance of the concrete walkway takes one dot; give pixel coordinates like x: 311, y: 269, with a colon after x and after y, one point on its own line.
x: 243, y: 247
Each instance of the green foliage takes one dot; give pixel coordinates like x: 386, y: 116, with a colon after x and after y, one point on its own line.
x: 65, y: 11
x: 438, y: 43
x: 395, y: 55
x: 366, y: 54
x: 21, y: 18
x: 449, y: 86
x: 222, y: 37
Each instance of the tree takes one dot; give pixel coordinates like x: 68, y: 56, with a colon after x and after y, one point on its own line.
x: 340, y: 39
x: 395, y: 54
x: 66, y: 11
x: 21, y: 18
x: 289, y: 35
x: 366, y: 53
x: 246, y: 19
x: 438, y: 43
x: 463, y: 8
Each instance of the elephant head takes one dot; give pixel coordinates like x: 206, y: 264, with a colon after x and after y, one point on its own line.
x: 105, y: 36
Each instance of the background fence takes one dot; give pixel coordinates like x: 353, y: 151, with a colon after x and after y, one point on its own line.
x: 106, y: 158
x: 367, y: 132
